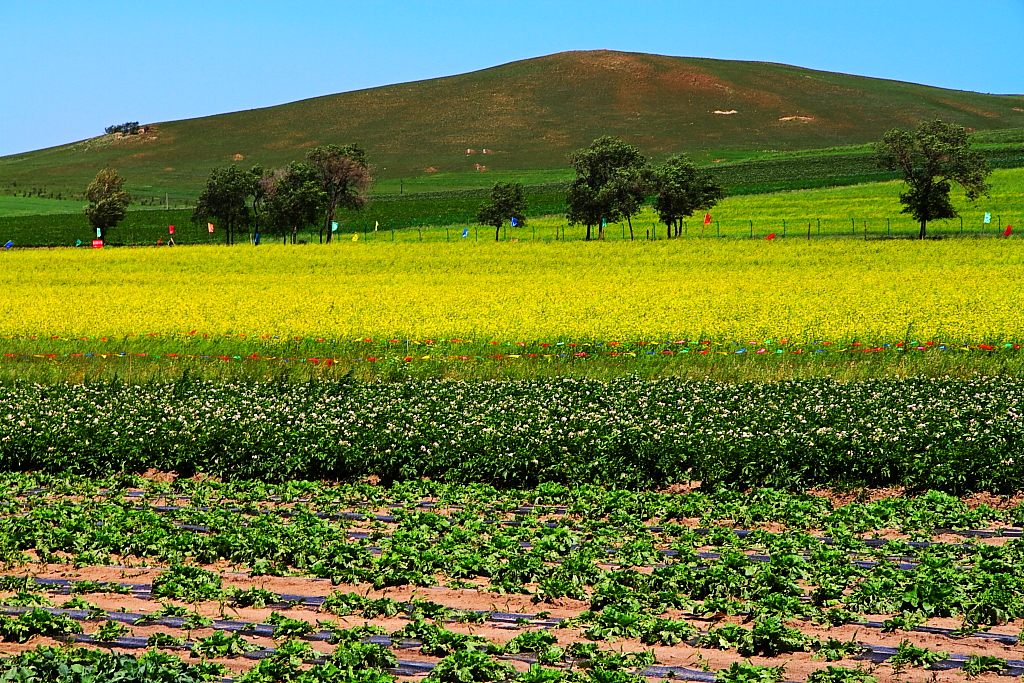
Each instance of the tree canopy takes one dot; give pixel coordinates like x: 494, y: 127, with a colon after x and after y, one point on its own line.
x: 680, y: 190
x: 108, y: 201
x: 294, y: 200
x: 928, y: 159
x: 507, y: 201
x: 225, y: 199
x: 344, y: 178
x: 608, y: 184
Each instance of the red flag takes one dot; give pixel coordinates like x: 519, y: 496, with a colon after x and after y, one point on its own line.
x: 707, y: 218
x: 770, y: 236
x: 170, y: 229
x: 209, y: 227
x: 1009, y: 229
x: 97, y: 244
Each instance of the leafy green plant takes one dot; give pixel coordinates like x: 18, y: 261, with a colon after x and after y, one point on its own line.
x: 979, y: 664
x: 162, y: 639
x: 833, y: 649
x: 469, y: 666
x: 253, y: 597
x: 110, y: 631
x: 36, y: 622
x: 745, y: 672
x: 839, y: 674
x: 191, y: 584
x: 910, y: 655
x: 285, y: 627
x: 222, y: 644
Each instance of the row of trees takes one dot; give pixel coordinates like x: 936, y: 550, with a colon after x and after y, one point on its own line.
x: 280, y: 201
x: 613, y: 181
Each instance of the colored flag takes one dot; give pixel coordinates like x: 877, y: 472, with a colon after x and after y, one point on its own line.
x: 988, y: 218
x: 256, y: 239
x: 78, y: 243
x: 770, y: 236
x: 97, y: 244
x: 376, y: 224
x: 707, y: 218
x: 604, y: 223
x: 334, y: 226
x: 10, y: 243
x: 209, y: 228
x: 170, y: 229
x: 99, y: 233
x: 355, y: 237
x: 465, y: 232
x: 514, y: 221
x: 1009, y: 229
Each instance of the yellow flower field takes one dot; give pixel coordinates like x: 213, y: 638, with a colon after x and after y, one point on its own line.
x: 955, y: 290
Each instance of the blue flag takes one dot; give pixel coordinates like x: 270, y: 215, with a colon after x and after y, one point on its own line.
x: 514, y: 221
x: 465, y: 232
x: 10, y: 243
x: 988, y: 218
x: 256, y: 239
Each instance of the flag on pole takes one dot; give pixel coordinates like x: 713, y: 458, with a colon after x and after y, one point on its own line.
x: 465, y: 232
x: 604, y: 223
x: 1008, y: 231
x: 99, y: 233
x: 355, y: 237
x: 376, y: 224
x: 10, y: 243
x: 334, y: 226
x: 78, y: 243
x: 170, y: 229
x: 514, y: 221
x: 988, y: 218
x: 707, y: 218
x: 209, y: 228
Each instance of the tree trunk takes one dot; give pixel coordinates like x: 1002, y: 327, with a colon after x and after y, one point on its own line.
x: 923, y: 230
x: 588, y: 232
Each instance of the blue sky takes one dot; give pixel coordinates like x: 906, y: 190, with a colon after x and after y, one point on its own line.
x: 70, y: 68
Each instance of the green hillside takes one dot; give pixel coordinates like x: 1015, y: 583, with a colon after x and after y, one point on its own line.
x: 528, y: 115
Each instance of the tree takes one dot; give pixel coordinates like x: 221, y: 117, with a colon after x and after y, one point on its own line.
x: 108, y: 201
x: 680, y: 190
x: 294, y: 199
x: 344, y: 179
x: 507, y: 201
x: 929, y: 158
x: 603, y: 189
x: 225, y: 199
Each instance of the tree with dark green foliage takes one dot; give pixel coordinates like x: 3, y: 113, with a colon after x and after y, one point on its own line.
x: 607, y: 186
x: 225, y: 200
x: 108, y: 201
x: 294, y: 200
x: 344, y: 178
x: 929, y: 158
x: 507, y: 201
x: 680, y: 190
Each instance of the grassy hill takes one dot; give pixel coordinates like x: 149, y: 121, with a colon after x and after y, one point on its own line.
x: 528, y: 115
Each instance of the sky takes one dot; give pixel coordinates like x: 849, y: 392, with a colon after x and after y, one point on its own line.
x: 71, y: 68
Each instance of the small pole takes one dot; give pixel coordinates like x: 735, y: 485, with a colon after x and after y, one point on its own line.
x: 853, y: 226
x: 718, y: 227
x: 392, y: 233
x: 808, y: 231
x: 751, y: 229
x: 419, y: 229
x: 887, y: 226
x: 446, y: 233
x: 819, y: 227
x: 783, y: 227
x: 623, y: 230
x: 685, y: 232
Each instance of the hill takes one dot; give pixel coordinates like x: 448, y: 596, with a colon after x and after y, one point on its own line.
x: 524, y: 115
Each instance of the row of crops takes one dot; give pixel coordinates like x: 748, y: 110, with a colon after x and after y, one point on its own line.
x: 956, y: 435
x: 307, y: 581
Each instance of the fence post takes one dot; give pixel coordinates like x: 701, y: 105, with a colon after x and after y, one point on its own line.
x: 961, y: 225
x: 419, y: 229
x: 808, y: 231
x: 751, y: 229
x: 887, y: 226
x: 819, y: 227
x: 718, y: 227
x: 446, y: 233
x: 783, y: 227
x: 853, y: 226
x: 392, y: 233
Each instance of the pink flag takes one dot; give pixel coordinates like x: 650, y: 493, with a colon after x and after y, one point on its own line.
x: 170, y: 229
x: 209, y: 227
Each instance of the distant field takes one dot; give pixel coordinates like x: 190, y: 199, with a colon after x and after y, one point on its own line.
x: 870, y: 209
x: 35, y: 206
